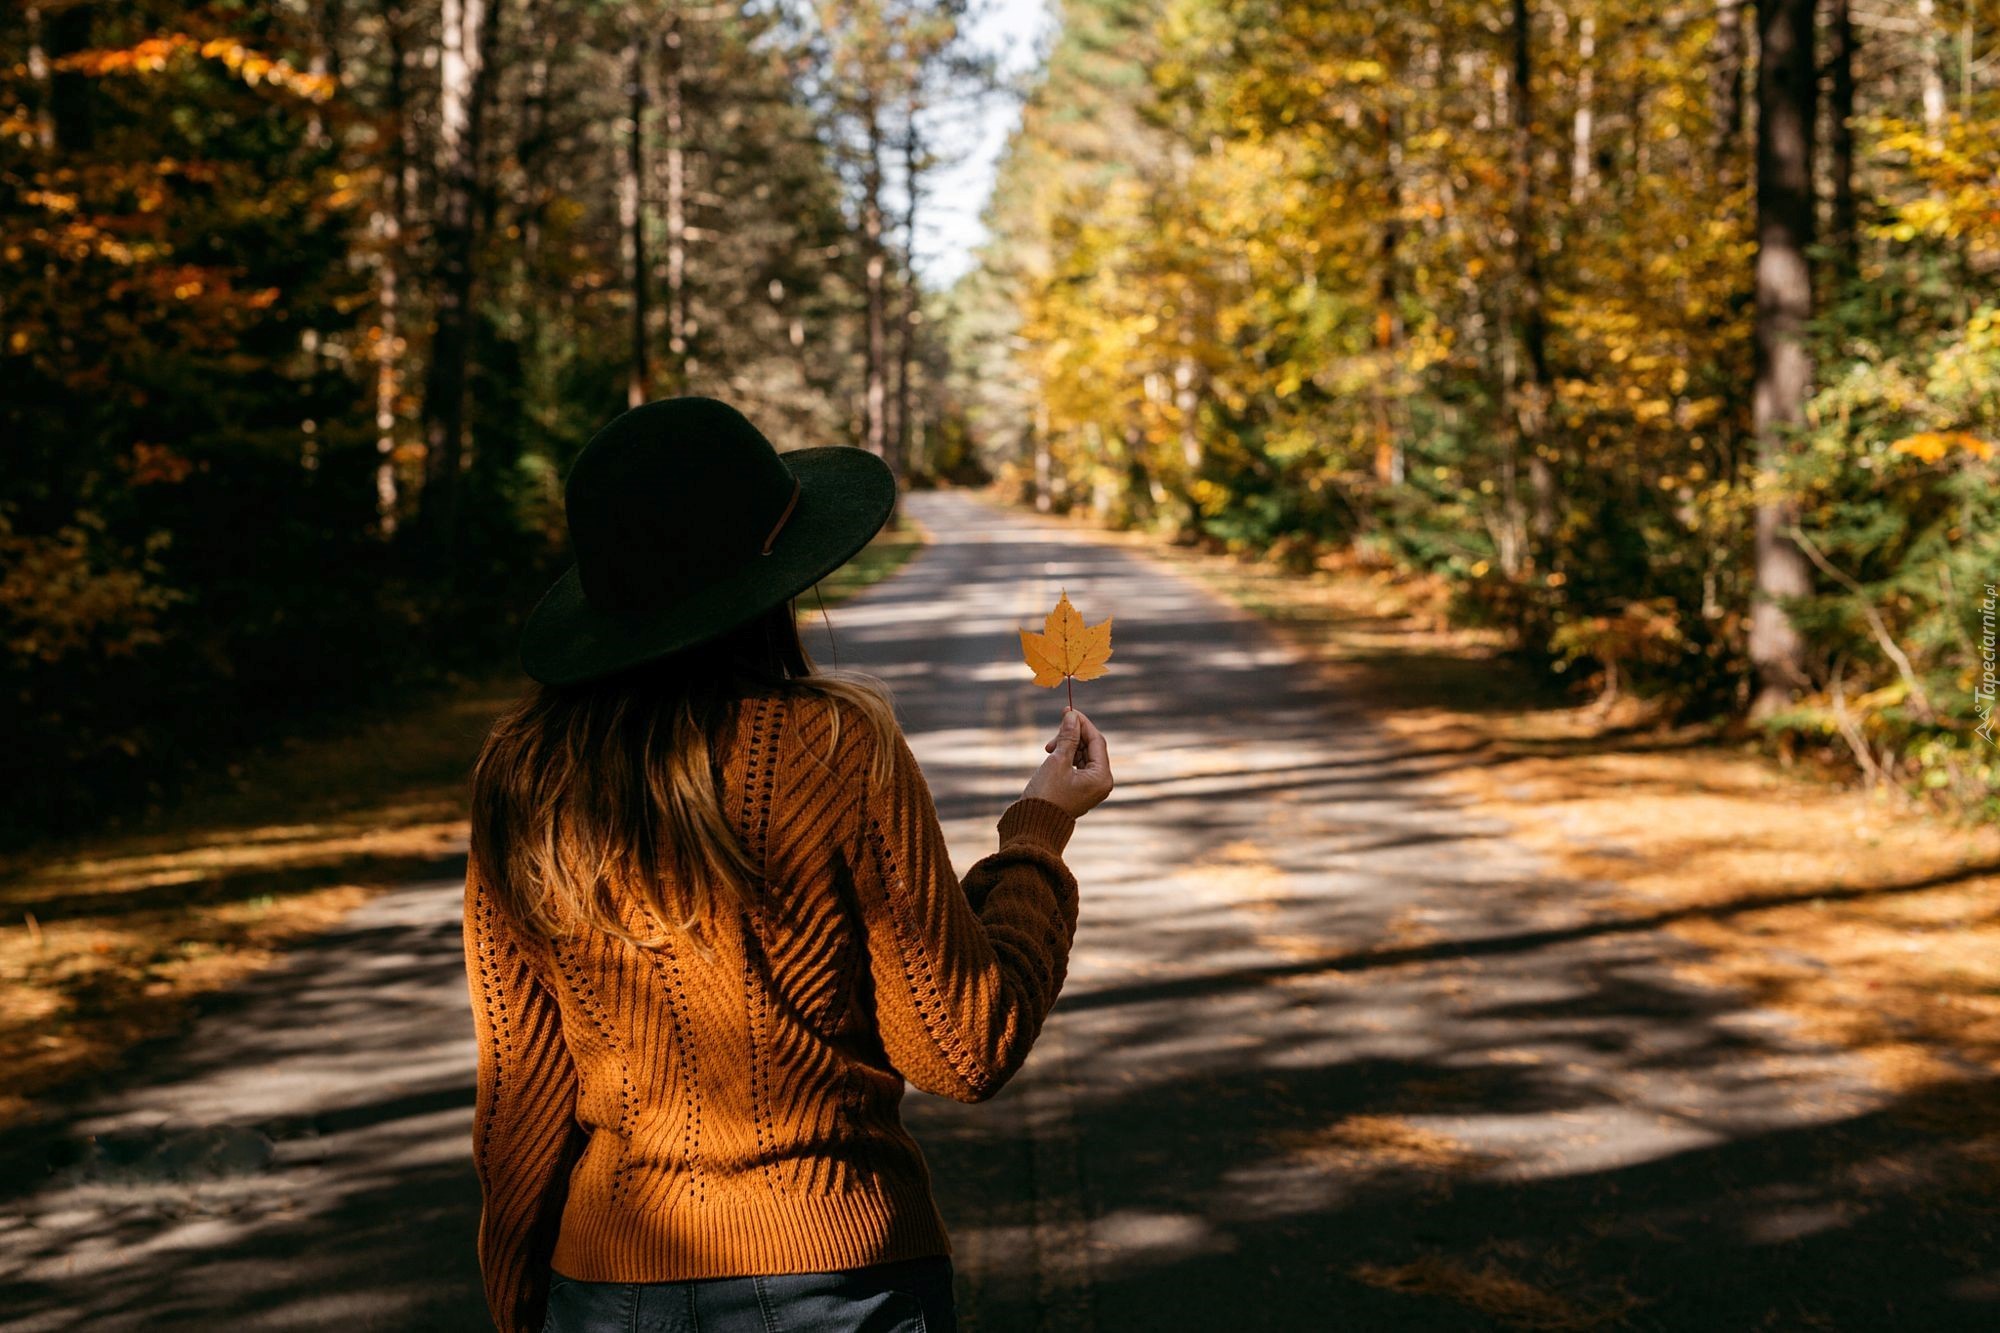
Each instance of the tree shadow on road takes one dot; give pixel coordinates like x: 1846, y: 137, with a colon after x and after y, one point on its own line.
x: 1338, y: 1056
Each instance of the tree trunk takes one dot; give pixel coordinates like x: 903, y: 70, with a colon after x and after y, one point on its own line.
x: 1580, y: 172
x: 1531, y: 390
x: 328, y: 18
x: 1187, y: 401
x: 909, y: 312
x: 1725, y: 74
x: 1930, y: 41
x: 465, y: 69
x: 876, y: 399
x: 1044, y: 465
x: 672, y: 71
x: 1967, y: 32
x: 632, y: 213
x: 1787, y: 89
x: 1846, y: 226
x: 532, y: 130
x: 1388, y: 323
x: 388, y: 224
x: 39, y: 78
x: 70, y: 123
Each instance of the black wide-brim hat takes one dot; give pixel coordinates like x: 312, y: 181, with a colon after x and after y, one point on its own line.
x: 686, y: 523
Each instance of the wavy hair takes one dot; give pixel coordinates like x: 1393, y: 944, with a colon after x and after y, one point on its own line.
x: 583, y: 791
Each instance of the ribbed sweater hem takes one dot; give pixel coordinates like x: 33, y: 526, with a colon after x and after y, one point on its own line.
x: 790, y: 1234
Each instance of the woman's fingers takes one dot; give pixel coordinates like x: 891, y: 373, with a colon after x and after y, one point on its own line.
x: 1089, y: 745
x: 1085, y: 728
x: 1081, y: 777
x: 1100, y: 753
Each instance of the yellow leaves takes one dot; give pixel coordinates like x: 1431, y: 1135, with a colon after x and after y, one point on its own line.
x: 1067, y: 647
x: 55, y: 201
x: 71, y: 592
x: 1931, y: 446
x: 147, y: 57
x: 1210, y: 497
x: 1956, y: 195
x: 254, y: 68
x: 1921, y: 217
x: 154, y: 54
x: 1334, y: 72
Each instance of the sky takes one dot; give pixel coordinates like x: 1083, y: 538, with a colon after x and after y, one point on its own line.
x: 948, y: 226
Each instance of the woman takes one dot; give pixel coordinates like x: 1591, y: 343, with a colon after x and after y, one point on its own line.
x: 711, y: 926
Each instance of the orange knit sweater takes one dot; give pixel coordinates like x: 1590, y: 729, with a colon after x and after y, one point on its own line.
x: 646, y: 1115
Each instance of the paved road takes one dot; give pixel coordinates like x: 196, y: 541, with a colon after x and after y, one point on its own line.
x: 1333, y: 1054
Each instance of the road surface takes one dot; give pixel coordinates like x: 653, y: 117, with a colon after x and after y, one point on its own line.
x: 1333, y: 1054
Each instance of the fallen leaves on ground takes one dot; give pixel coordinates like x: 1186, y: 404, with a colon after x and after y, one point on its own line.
x: 1492, y: 1290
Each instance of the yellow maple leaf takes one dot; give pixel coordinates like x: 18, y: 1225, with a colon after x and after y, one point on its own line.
x: 1067, y: 649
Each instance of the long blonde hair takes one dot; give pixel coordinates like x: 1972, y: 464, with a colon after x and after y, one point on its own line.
x: 582, y: 788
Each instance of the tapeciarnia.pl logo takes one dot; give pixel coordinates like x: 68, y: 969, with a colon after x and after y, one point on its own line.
x: 1982, y: 696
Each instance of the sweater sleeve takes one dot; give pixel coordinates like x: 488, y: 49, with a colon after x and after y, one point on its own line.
x: 524, y: 1133
x: 964, y: 975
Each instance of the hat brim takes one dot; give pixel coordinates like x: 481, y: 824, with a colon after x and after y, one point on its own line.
x: 845, y: 495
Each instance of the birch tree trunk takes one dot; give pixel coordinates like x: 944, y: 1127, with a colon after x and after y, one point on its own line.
x: 1930, y: 41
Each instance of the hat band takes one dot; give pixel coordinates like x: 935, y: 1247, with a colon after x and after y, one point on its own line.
x: 789, y: 506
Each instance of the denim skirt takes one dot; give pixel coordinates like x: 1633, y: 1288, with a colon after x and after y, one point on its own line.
x: 906, y: 1296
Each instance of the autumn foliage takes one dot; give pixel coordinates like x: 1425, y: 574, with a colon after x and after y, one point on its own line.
x: 308, y: 307
x: 1300, y: 278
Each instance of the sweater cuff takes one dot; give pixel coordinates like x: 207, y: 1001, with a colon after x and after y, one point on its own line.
x: 1037, y: 821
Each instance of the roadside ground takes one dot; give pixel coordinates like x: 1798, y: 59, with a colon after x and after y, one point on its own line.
x: 112, y: 941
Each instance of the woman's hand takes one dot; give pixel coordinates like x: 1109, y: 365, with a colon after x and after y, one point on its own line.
x: 1077, y: 773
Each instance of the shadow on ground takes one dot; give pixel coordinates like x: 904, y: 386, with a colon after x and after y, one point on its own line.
x: 1332, y: 1054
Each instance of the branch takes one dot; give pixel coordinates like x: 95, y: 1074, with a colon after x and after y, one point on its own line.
x: 1882, y: 636
x: 1851, y: 733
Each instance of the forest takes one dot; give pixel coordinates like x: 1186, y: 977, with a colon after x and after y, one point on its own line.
x: 1666, y: 333
x: 308, y: 306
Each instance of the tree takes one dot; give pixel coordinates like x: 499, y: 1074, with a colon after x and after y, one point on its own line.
x: 302, y: 338
x: 467, y: 71
x: 1787, y: 106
